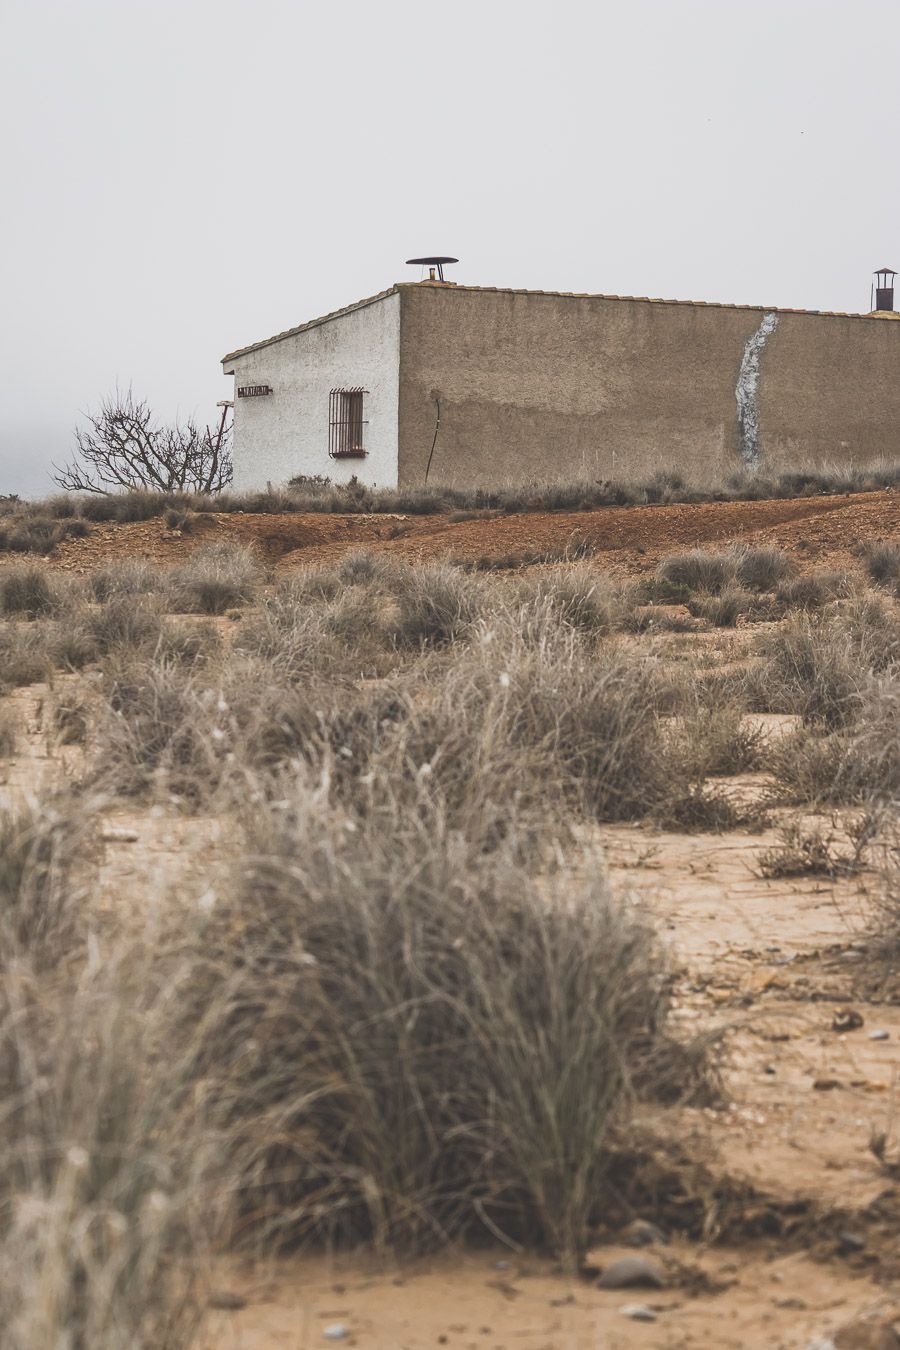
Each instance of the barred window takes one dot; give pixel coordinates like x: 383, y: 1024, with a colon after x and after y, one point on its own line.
x: 346, y: 424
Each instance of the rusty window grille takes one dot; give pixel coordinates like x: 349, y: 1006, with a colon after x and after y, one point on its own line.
x: 346, y: 424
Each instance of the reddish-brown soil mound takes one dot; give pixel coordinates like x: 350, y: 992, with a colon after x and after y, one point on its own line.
x: 626, y: 539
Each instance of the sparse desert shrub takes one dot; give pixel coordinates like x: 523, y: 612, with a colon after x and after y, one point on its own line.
x: 436, y: 605
x: 24, y: 657
x: 715, y: 740
x: 760, y: 569
x: 40, y: 901
x: 342, y: 632
x: 360, y: 568
x: 129, y: 507
x: 125, y: 621
x: 813, y: 590
x: 71, y: 719
x: 584, y: 599
x: 183, y: 521
x: 806, y: 765
x: 722, y: 609
x: 128, y: 577
x: 39, y: 534
x: 804, y: 851
x: 699, y: 570
x: 27, y: 591
x: 445, y: 1051
x: 531, y: 708
x: 858, y: 762
x: 8, y: 733
x: 217, y: 577
x: 665, y: 485
x: 192, y: 732
x: 103, y: 1162
x: 819, y: 667
x: 883, y: 564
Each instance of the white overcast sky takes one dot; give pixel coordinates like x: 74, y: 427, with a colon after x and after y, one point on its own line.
x: 182, y: 178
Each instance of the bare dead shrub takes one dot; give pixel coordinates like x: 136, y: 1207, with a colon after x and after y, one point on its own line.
x: 444, y: 1050
x: 124, y: 447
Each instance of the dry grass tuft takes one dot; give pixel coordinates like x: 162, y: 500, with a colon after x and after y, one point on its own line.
x: 27, y: 592
x: 445, y: 1051
x: 217, y: 577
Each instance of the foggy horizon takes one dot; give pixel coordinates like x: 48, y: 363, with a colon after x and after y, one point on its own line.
x: 184, y: 180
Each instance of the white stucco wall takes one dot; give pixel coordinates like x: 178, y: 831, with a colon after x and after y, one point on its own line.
x: 285, y: 433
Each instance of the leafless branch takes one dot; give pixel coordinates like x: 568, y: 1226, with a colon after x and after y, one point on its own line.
x: 124, y: 447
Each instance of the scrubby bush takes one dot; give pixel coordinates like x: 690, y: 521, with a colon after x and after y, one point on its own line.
x: 819, y: 667
x: 587, y: 600
x: 39, y: 900
x: 39, y: 534
x: 27, y: 591
x: 699, y: 570
x: 104, y: 1211
x: 8, y: 733
x: 24, y: 656
x: 445, y: 1052
x: 813, y: 590
x: 128, y: 577
x: 435, y: 605
x: 883, y: 564
x: 723, y: 609
x: 125, y: 621
x: 760, y: 569
x: 217, y: 577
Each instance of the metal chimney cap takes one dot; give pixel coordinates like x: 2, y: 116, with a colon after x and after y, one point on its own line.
x: 879, y: 270
x: 425, y: 262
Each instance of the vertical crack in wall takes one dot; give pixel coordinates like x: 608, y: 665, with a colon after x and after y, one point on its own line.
x: 746, y: 391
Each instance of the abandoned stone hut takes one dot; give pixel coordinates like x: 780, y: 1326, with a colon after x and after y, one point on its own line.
x: 481, y: 386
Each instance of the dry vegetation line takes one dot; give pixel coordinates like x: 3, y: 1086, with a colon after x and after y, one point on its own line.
x: 405, y: 1006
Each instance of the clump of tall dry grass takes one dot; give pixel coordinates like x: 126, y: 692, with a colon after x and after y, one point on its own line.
x: 441, y: 1046
x: 104, y: 1208
x: 217, y: 577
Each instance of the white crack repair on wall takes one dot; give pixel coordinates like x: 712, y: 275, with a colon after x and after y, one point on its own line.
x: 746, y: 391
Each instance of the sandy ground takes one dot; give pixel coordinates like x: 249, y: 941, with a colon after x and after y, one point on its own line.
x: 491, y: 1302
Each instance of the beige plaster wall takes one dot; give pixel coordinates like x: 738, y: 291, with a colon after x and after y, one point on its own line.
x: 554, y: 387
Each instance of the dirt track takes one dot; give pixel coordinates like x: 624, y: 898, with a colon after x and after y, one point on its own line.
x: 625, y: 539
